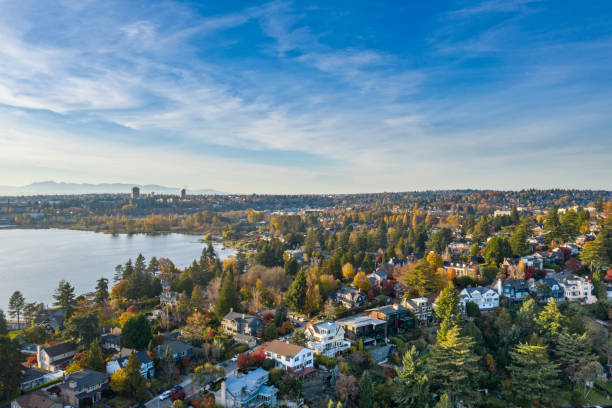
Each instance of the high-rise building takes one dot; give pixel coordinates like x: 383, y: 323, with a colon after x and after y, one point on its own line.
x: 183, y: 193
x: 135, y: 192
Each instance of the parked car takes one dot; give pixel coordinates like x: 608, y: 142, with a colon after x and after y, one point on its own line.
x: 164, y: 395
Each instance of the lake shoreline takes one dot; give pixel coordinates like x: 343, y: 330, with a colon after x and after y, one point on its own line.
x: 34, y: 260
x: 101, y: 231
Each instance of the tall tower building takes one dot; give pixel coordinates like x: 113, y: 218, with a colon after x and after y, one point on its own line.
x: 183, y: 193
x: 135, y: 192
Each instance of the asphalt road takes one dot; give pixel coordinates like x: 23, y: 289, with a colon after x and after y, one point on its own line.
x: 188, y: 386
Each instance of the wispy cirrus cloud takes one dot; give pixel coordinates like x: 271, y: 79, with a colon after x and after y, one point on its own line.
x: 276, y: 88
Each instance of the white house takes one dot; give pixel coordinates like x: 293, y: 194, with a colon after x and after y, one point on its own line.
x: 536, y: 261
x: 421, y: 307
x: 485, y: 298
x: 326, y: 338
x: 147, y: 368
x: 577, y: 288
x: 57, y: 357
x: 289, y: 356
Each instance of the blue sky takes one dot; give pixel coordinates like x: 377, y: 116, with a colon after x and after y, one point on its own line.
x: 289, y: 97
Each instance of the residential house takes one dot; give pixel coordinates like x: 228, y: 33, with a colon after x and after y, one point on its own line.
x: 295, y: 254
x: 351, y: 297
x: 396, y: 316
x: 535, y: 261
x: 147, y: 368
x: 110, y: 341
x: 510, y: 268
x: 326, y: 338
x: 378, y: 277
x: 545, y: 289
x: 248, y: 390
x: 578, y: 289
x: 558, y: 255
x: 51, y: 319
x: 462, y: 268
x: 514, y: 289
x: 574, y: 250
x: 241, y: 323
x: 459, y: 247
x: 289, y: 356
x: 250, y: 341
x: 83, y: 388
x: 486, y: 298
x: 169, y: 298
x: 364, y: 329
x: 420, y: 307
x: 36, y: 399
x: 57, y: 357
x: 32, y: 378
x: 178, y: 349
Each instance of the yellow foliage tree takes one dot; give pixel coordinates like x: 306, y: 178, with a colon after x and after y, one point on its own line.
x: 434, y: 260
x: 125, y: 316
x: 362, y: 281
x: 119, y: 381
x: 348, y: 270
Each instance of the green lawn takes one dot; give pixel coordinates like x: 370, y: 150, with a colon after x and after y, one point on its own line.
x: 598, y: 397
x: 607, y: 385
x: 119, y: 402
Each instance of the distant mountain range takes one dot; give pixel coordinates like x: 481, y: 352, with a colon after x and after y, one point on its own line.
x: 55, y: 188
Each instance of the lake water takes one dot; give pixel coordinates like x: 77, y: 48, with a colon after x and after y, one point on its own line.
x: 34, y: 261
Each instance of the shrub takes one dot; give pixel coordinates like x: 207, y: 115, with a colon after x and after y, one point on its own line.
x: 472, y: 309
x: 323, y: 360
x: 268, y: 364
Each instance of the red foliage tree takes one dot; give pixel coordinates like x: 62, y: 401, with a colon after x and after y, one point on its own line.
x: 268, y: 316
x: 370, y: 294
x: 32, y: 360
x: 243, y: 361
x: 529, y: 272
x: 608, y: 277
x: 185, y: 361
x: 132, y: 309
x: 259, y: 355
x: 573, y: 265
x: 388, y: 287
x: 177, y: 395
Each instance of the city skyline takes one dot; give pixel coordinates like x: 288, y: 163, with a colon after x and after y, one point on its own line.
x: 274, y: 97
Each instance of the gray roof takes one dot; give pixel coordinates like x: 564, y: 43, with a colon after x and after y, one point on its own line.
x: 176, y: 347
x: 84, y: 379
x: 241, y: 317
x: 59, y: 349
x: 360, y: 320
x: 389, y: 309
x: 31, y: 374
x: 329, y: 326
x: 516, y: 283
x: 110, y: 338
